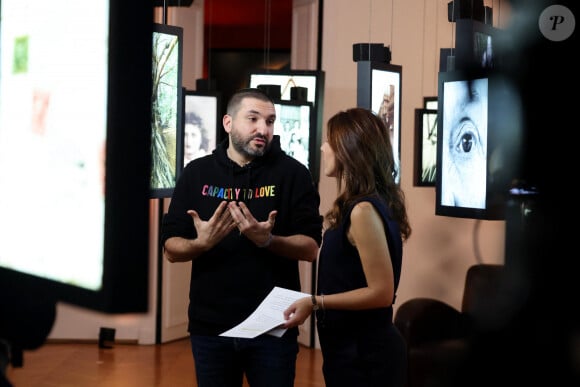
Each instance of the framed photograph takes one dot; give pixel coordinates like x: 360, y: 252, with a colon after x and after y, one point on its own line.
x: 309, y: 79
x: 166, y: 109
x: 201, y: 123
x: 293, y: 124
x: 475, y: 148
x: 430, y: 103
x: 425, y: 147
x: 379, y: 89
x: 313, y: 82
x: 462, y: 145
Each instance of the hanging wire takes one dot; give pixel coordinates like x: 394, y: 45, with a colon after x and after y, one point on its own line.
x: 392, y: 24
x: 476, y: 247
x: 423, y: 45
x: 435, y: 47
x: 209, y: 38
x: 453, y: 28
x: 485, y: 15
x: 164, y: 18
x: 267, y: 29
x: 370, y: 21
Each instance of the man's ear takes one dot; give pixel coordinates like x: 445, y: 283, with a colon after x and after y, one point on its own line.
x: 227, y: 123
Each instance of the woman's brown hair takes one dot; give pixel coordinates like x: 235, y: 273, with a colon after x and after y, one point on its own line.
x: 364, y: 165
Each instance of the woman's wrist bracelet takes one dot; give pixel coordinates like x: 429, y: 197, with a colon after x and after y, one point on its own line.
x: 322, y: 301
x: 267, y: 243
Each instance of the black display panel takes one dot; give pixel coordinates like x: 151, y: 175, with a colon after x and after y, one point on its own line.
x: 478, y: 144
x: 476, y: 45
x: 424, y: 173
x: 295, y: 124
x: 379, y: 89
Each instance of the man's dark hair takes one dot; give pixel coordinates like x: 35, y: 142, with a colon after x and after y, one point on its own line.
x: 238, y: 96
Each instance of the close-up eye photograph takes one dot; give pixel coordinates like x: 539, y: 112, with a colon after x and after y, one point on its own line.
x: 464, y: 143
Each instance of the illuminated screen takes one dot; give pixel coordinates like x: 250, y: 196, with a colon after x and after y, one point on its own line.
x: 385, y: 102
x: 293, y: 124
x: 68, y: 111
x: 200, y: 122
x: 379, y: 89
x: 52, y: 138
x: 166, y: 109
x: 464, y: 143
x: 313, y: 81
x: 478, y: 143
x: 425, y: 147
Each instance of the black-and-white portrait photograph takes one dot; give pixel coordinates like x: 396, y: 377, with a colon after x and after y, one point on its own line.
x: 293, y: 126
x: 200, y: 123
x: 464, y: 143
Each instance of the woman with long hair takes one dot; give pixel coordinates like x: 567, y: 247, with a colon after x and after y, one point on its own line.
x: 360, y: 259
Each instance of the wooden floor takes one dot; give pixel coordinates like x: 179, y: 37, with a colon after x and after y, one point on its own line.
x: 126, y: 365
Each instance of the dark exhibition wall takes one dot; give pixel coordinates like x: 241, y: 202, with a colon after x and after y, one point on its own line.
x: 539, y: 344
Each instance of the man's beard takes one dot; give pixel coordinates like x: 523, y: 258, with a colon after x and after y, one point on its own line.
x: 243, y: 145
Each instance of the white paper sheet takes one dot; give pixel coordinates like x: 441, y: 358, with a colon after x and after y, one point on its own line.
x: 268, y: 316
